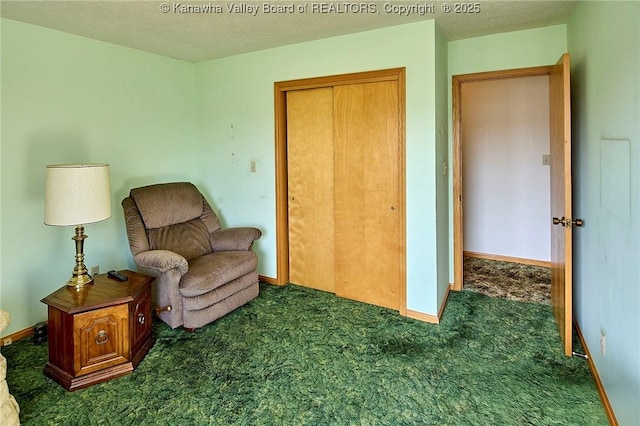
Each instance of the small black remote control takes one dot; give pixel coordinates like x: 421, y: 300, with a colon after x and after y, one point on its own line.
x: 117, y: 276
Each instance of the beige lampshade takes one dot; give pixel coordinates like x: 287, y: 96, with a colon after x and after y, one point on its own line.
x: 77, y: 194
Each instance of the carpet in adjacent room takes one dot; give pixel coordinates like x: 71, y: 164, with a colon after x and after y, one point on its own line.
x: 508, y: 280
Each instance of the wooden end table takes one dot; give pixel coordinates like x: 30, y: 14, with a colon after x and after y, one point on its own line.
x: 100, y: 331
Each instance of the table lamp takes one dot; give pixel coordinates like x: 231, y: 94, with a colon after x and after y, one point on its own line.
x: 77, y: 194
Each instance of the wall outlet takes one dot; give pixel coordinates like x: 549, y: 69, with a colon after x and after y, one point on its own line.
x: 603, y: 343
x: 7, y: 341
x: 546, y: 160
x: 95, y: 270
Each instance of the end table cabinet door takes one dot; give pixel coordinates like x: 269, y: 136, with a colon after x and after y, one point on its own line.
x: 102, y: 339
x: 140, y: 326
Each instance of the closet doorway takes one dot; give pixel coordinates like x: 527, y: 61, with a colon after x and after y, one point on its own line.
x: 340, y: 185
x: 559, y: 221
x: 505, y: 174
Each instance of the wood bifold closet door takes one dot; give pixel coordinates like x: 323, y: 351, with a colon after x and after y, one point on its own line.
x: 310, y: 182
x: 343, y: 161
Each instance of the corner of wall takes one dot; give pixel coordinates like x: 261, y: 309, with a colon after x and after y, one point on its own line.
x: 442, y: 166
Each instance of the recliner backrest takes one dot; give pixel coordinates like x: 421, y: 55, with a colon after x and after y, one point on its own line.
x: 175, y: 217
x: 167, y: 204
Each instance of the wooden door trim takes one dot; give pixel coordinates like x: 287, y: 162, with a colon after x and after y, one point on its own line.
x: 280, y: 109
x: 456, y: 102
x: 391, y: 74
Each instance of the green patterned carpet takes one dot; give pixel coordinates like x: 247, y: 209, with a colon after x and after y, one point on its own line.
x: 296, y: 356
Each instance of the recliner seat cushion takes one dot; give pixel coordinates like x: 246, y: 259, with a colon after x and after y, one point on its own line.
x: 209, y: 272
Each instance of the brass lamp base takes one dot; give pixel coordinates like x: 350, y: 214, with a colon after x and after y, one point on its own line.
x: 80, y: 280
x: 80, y: 276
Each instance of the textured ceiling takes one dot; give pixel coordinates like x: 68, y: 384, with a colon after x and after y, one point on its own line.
x: 195, y: 31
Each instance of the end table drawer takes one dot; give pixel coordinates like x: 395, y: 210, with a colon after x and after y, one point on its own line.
x: 102, y: 339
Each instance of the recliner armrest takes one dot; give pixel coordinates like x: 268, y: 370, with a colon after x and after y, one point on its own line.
x: 161, y: 261
x: 234, y: 239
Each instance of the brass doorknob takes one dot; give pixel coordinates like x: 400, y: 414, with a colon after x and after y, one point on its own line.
x: 568, y: 223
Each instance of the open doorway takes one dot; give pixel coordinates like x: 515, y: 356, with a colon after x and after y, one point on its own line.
x: 501, y: 159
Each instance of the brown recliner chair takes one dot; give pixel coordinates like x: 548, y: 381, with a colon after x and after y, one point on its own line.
x: 203, y: 271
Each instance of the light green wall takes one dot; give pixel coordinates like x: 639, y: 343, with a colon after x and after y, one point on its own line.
x: 235, y: 102
x: 442, y: 166
x: 71, y: 99
x: 604, y: 43
x: 518, y: 49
